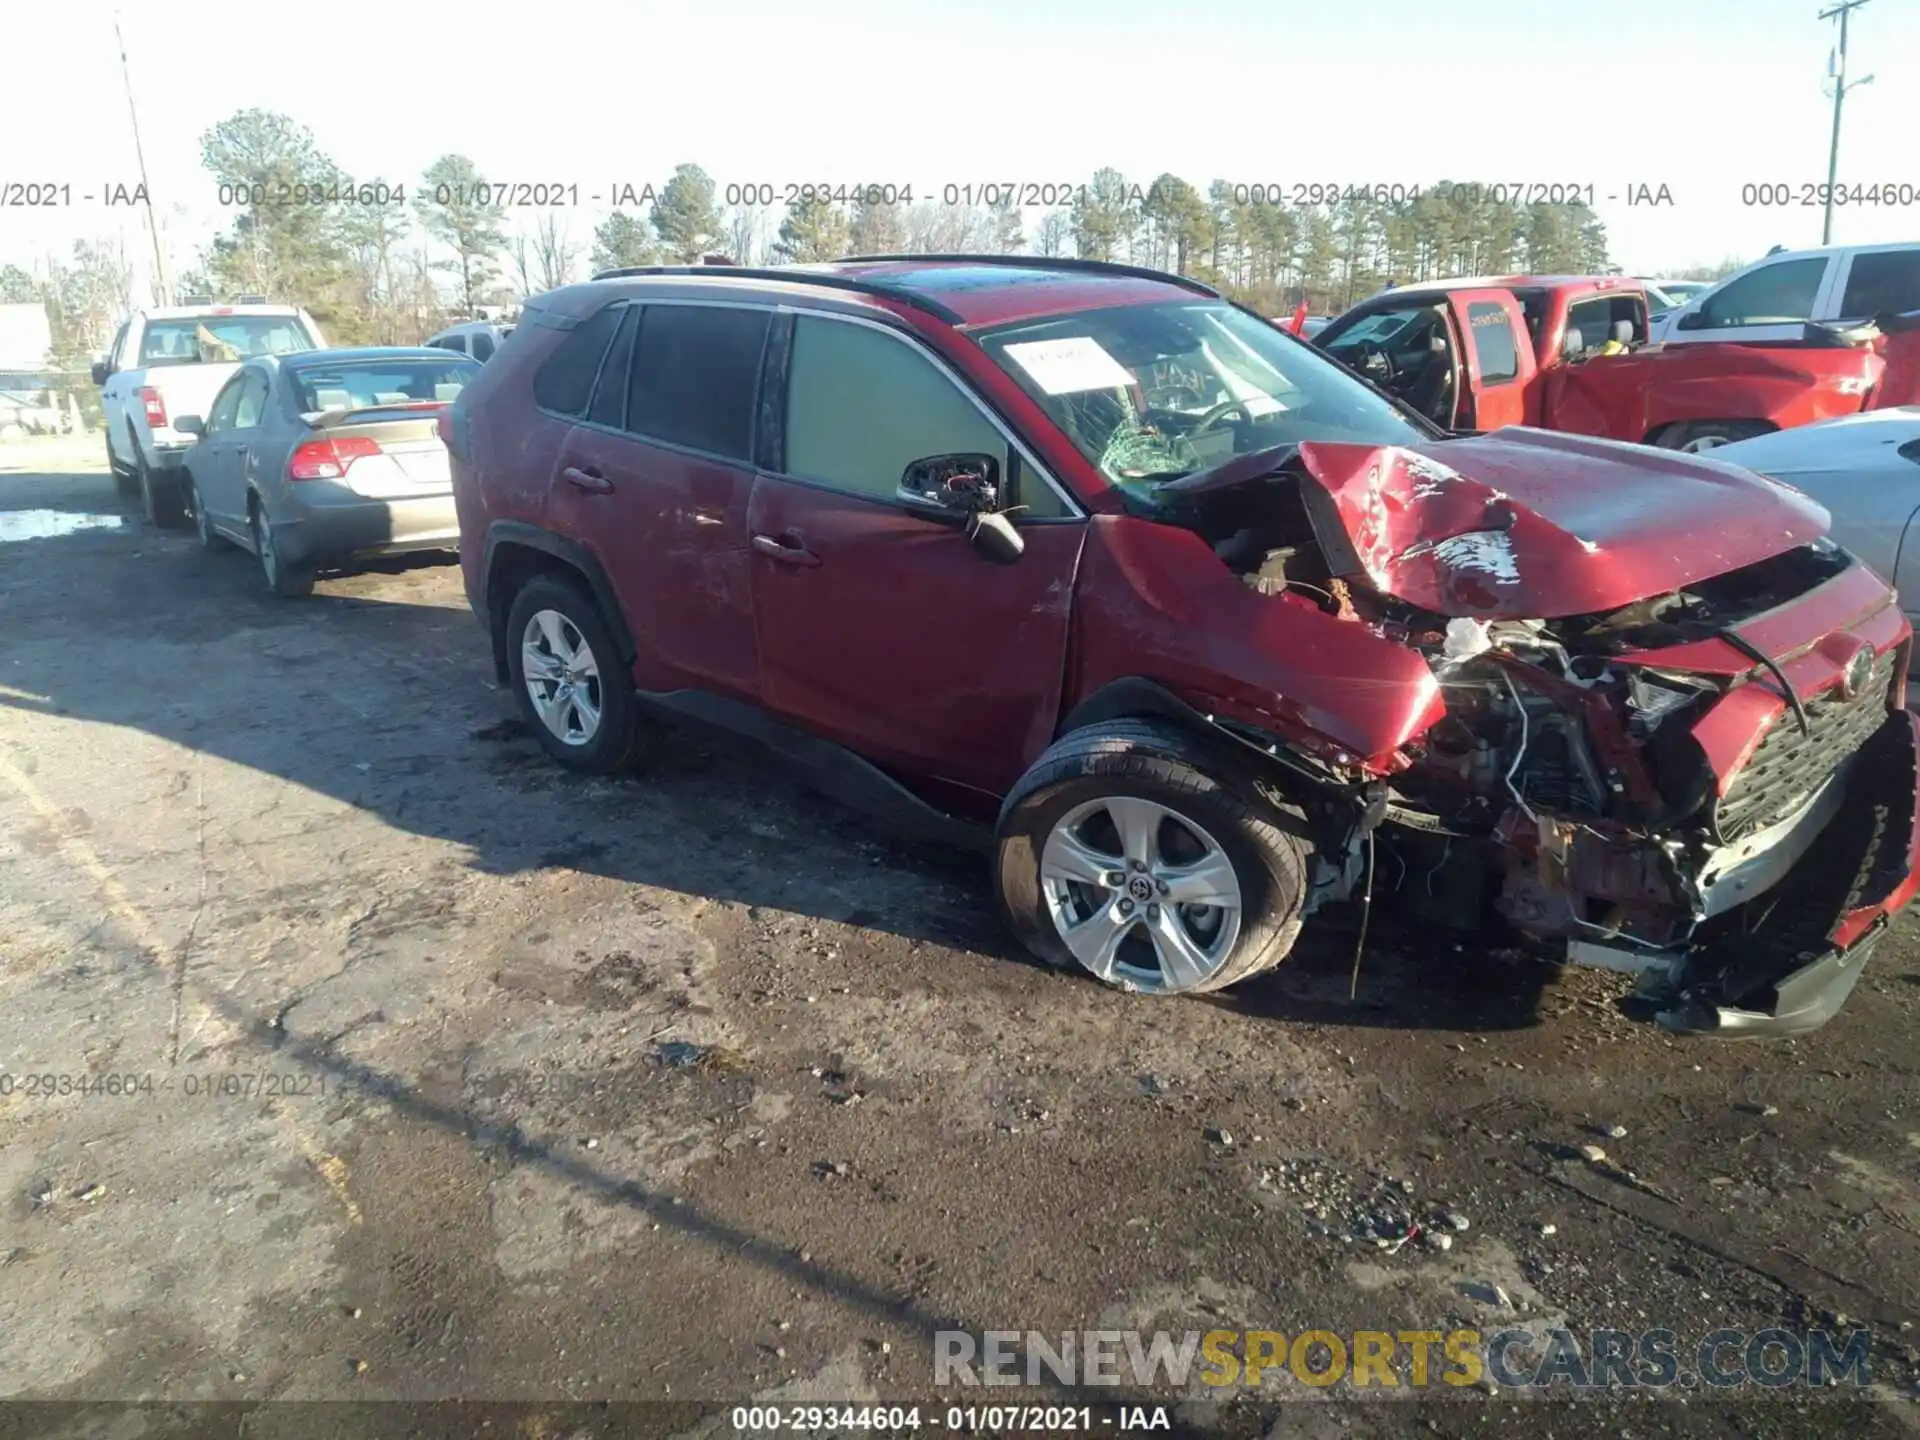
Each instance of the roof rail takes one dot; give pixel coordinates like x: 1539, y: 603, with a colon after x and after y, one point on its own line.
x: 1050, y: 262
x: 794, y: 275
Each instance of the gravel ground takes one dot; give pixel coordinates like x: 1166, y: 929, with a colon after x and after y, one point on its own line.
x: 455, y: 1076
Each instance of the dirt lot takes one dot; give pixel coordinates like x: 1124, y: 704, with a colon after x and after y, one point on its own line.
x: 690, y: 1087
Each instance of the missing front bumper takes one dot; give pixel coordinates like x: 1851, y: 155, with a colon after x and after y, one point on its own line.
x: 1785, y: 962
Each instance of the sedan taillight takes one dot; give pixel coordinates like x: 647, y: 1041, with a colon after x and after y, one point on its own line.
x: 328, y: 459
x: 155, y: 406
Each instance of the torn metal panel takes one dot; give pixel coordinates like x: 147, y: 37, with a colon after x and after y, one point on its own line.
x: 1528, y: 524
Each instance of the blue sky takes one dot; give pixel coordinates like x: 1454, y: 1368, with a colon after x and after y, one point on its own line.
x: 1700, y: 96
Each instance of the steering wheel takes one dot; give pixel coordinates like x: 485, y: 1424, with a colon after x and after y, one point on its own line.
x: 1219, y: 413
x: 1370, y: 357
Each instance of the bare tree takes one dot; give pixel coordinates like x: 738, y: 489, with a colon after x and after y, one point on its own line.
x: 747, y: 233
x: 1054, y: 235
x: 554, y: 249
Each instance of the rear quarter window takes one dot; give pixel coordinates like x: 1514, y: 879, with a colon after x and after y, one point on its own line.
x: 1882, y: 281
x: 564, y: 382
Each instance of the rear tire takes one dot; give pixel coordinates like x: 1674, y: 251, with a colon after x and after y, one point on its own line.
x: 161, y: 499
x: 1703, y: 435
x: 292, y: 582
x: 586, y: 716
x: 1128, y: 927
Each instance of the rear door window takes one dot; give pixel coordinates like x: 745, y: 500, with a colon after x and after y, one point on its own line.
x: 1879, y: 281
x: 696, y: 371
x: 1493, y: 341
x: 1778, y: 294
x: 565, y: 382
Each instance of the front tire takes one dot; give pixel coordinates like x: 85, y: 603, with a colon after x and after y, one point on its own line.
x: 124, y: 480
x: 210, y: 539
x: 569, y: 679
x: 1132, y: 852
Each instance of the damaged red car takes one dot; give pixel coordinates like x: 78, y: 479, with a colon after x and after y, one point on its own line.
x: 1198, y: 632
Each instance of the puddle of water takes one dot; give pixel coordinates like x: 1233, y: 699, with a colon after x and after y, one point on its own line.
x: 45, y: 524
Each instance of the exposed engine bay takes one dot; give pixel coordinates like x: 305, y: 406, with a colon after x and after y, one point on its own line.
x: 1563, y: 787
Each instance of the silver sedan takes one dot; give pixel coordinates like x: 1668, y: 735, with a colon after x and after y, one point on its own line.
x: 1865, y: 469
x: 325, y: 458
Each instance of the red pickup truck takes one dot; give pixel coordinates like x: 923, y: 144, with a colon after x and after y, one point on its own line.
x: 1475, y: 355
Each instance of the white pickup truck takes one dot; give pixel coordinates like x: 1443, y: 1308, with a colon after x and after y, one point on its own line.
x: 172, y: 361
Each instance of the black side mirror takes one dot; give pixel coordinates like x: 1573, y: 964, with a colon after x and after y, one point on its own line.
x: 1692, y: 320
x: 100, y: 372
x: 190, y: 425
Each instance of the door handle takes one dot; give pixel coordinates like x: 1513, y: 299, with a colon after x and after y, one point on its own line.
x: 778, y: 546
x: 586, y: 480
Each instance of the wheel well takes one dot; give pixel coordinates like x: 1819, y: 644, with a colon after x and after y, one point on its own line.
x: 1659, y: 433
x: 511, y: 567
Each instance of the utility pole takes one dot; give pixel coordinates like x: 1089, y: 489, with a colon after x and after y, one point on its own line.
x: 160, y: 286
x: 1837, y: 67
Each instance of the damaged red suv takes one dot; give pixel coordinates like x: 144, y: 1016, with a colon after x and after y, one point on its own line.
x: 1196, y: 629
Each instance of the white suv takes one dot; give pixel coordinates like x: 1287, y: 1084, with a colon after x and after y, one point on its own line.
x: 172, y: 361
x: 1775, y: 298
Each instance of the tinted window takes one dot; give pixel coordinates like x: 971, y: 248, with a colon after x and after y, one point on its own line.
x: 1493, y: 341
x: 695, y: 371
x: 566, y: 380
x: 861, y: 406
x: 354, y: 384
x: 253, y: 399
x: 1885, y: 280
x: 610, y: 395
x: 216, y: 338
x: 1773, y: 295
x: 482, y: 345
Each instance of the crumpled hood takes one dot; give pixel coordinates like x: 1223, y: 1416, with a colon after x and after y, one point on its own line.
x: 1529, y: 524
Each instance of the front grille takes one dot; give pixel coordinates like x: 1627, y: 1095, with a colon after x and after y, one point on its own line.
x: 1787, y: 766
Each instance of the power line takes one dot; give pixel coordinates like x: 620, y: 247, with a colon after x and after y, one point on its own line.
x: 1838, y: 68
x: 160, y: 265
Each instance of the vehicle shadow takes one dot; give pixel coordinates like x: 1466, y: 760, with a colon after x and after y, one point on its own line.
x: 379, y: 692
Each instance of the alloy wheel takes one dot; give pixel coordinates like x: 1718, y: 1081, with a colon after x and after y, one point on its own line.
x: 1141, y: 895
x: 263, y: 543
x: 562, y: 677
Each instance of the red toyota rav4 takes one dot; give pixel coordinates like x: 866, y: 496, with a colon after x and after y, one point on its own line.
x: 1196, y: 628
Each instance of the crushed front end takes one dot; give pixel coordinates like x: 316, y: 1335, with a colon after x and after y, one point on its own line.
x: 1638, y: 787
x: 1708, y: 782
